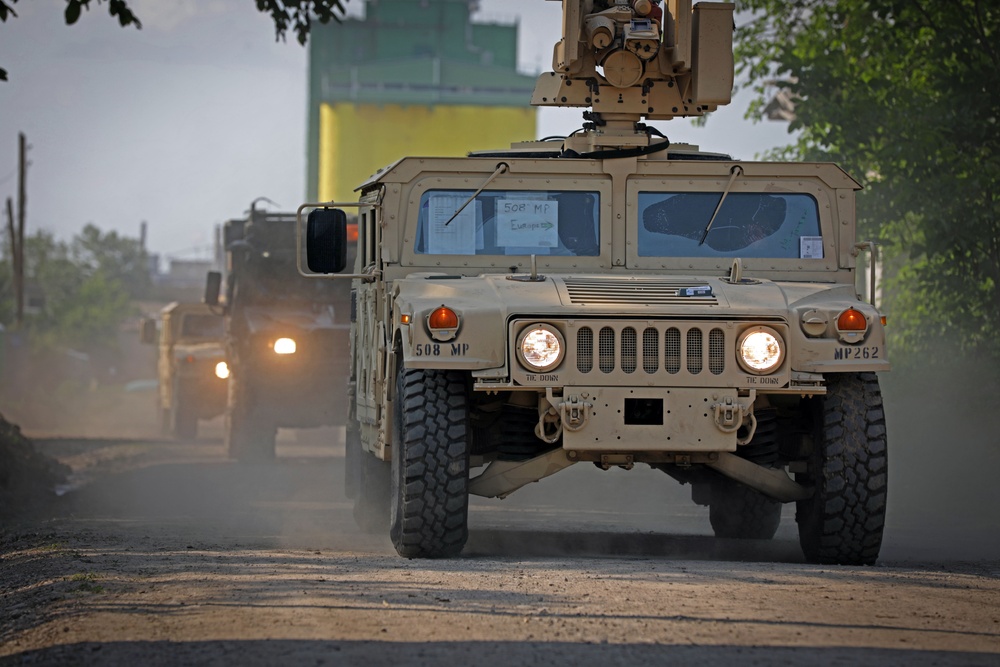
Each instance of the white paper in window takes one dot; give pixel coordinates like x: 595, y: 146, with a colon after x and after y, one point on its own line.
x: 528, y: 223
x: 457, y: 237
x: 811, y: 247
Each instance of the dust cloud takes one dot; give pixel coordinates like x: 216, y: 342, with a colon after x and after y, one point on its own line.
x: 943, y: 500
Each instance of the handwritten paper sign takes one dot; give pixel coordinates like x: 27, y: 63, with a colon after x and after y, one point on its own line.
x: 527, y: 223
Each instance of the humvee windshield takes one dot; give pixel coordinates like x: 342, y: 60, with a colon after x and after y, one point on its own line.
x: 203, y: 326
x: 673, y: 224
x: 509, y: 222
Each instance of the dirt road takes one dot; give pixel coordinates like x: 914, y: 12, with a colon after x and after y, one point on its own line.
x: 170, y: 554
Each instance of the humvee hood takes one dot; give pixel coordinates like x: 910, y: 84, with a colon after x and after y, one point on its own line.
x: 582, y: 295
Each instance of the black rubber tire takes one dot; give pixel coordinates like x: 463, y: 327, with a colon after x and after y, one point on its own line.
x: 842, y: 523
x: 735, y: 510
x: 738, y: 512
x: 248, y: 437
x: 430, y: 464
x: 185, y: 419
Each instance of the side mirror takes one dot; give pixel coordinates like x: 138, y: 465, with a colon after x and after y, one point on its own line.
x: 326, y: 240
x: 147, y: 331
x: 213, y: 283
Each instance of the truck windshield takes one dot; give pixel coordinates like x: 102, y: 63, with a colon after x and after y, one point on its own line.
x: 272, y: 276
x: 672, y: 224
x: 509, y: 222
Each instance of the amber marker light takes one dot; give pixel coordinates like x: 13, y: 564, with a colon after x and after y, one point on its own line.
x: 404, y: 319
x: 443, y: 324
x: 352, y: 232
x: 852, y: 320
x: 443, y: 318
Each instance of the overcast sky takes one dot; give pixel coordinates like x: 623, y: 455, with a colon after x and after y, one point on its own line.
x: 184, y: 122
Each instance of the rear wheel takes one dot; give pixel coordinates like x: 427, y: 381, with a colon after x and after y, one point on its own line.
x: 739, y: 512
x: 842, y: 522
x: 430, y: 464
x: 367, y: 483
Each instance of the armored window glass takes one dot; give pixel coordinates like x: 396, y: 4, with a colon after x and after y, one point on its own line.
x: 748, y: 224
x: 509, y: 222
x: 202, y: 326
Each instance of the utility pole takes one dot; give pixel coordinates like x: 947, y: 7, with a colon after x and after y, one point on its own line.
x: 12, y: 232
x: 22, y: 198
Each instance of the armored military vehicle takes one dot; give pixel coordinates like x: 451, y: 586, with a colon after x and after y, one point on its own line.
x: 191, y: 366
x: 615, y: 299
x: 286, y: 336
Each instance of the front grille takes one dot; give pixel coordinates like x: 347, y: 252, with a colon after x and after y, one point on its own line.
x: 684, y: 347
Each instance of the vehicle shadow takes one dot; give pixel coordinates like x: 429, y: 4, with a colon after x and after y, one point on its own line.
x: 434, y: 653
x: 557, y: 544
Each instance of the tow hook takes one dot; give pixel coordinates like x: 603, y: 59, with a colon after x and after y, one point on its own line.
x: 575, y: 412
x: 555, y: 414
x: 730, y: 413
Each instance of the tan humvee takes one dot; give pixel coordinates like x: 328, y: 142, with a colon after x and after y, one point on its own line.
x: 191, y: 366
x: 617, y: 300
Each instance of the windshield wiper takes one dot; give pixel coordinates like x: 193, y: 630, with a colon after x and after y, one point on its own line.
x: 734, y: 173
x: 501, y: 169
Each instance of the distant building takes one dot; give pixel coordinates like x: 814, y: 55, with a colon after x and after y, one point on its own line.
x: 414, y: 77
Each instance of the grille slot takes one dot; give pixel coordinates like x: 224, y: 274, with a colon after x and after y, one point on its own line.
x: 716, y: 351
x: 585, y: 350
x: 606, y: 349
x: 672, y: 350
x: 694, y: 351
x: 684, y: 350
x: 629, y: 350
x: 650, y: 350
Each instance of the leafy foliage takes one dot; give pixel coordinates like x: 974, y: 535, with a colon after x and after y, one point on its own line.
x: 295, y: 15
x: 86, y: 288
x: 906, y: 95
x: 298, y: 15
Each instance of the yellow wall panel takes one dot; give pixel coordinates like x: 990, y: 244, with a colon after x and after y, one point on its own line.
x: 358, y: 140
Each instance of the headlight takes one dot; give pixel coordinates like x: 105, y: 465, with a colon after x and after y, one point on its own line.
x: 222, y: 370
x: 284, y: 346
x: 760, y: 350
x: 540, y: 347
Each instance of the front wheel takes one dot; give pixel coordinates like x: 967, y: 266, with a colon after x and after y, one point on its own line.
x: 249, y: 437
x: 430, y: 464
x: 842, y: 522
x: 185, y: 426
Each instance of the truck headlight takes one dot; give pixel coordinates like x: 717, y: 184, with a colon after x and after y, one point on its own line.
x: 540, y: 347
x: 284, y: 346
x: 222, y: 370
x: 760, y: 350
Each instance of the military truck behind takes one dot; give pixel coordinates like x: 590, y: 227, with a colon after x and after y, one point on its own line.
x: 286, y: 337
x: 614, y: 299
x: 191, y: 367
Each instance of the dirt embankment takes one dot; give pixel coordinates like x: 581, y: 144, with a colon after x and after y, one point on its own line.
x: 27, y: 478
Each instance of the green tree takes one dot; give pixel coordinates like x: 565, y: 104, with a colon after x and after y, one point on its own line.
x: 85, y: 294
x: 120, y: 258
x: 295, y: 15
x: 906, y: 95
